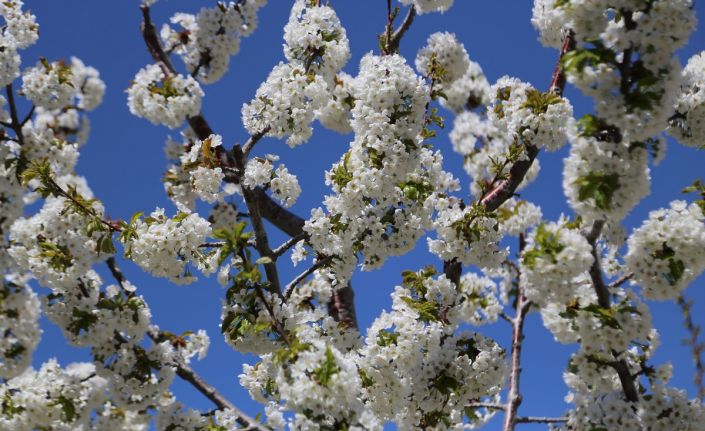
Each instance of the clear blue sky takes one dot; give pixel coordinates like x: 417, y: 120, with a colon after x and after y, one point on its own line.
x: 123, y: 162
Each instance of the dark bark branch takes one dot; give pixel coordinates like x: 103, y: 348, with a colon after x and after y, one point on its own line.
x: 603, y: 300
x: 261, y: 240
x: 342, y: 306
x: 621, y: 280
x: 403, y: 28
x: 115, y: 271
x: 15, y: 124
x: 540, y: 420
x: 697, y: 347
x: 188, y: 374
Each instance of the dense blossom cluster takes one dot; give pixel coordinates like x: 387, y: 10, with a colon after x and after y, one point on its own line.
x: 164, y: 99
x: 553, y: 257
x: 20, y: 31
x: 627, y: 63
x: 316, y: 49
x: 688, y: 122
x: 207, y: 40
x: 166, y: 246
x: 369, y: 213
x: 667, y: 251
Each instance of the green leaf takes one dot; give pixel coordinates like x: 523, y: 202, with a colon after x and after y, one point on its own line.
x: 538, y: 101
x: 386, y: 338
x: 325, y: 372
x: 428, y: 310
x: 598, y: 186
x: 546, y: 246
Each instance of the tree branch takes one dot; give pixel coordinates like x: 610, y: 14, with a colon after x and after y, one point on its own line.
x: 697, y: 346
x: 341, y: 306
x: 15, y: 125
x: 540, y: 420
x: 603, y: 300
x: 514, y: 396
x: 188, y: 374
x: 301, y: 277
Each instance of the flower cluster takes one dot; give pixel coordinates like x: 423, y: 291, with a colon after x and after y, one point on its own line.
x: 164, y: 99
x: 666, y: 252
x: 521, y: 112
x: 166, y: 246
x: 335, y: 114
x: 316, y: 48
x: 49, y: 85
x: 52, y: 397
x: 20, y: 31
x: 604, y: 179
x: 207, y: 40
x: 470, y: 91
x: 315, y: 41
x: 665, y: 409
x: 466, y: 233
x: 555, y: 254
x: 369, y: 213
x: 688, y: 123
x: 419, y: 370
x: 625, y: 60
x: 19, y: 316
x: 443, y: 58
x: 54, y: 243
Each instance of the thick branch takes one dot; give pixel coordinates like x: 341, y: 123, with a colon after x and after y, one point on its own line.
x: 342, y: 306
x: 15, y: 125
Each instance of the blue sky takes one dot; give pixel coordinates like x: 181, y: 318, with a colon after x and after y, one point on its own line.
x: 123, y: 162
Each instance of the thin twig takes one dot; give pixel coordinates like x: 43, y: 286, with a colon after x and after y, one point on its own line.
x: 209, y: 391
x: 540, y: 420
x: 489, y: 406
x: 299, y: 278
x: 252, y: 141
x: 621, y: 280
x: 277, y: 252
x: 514, y: 397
